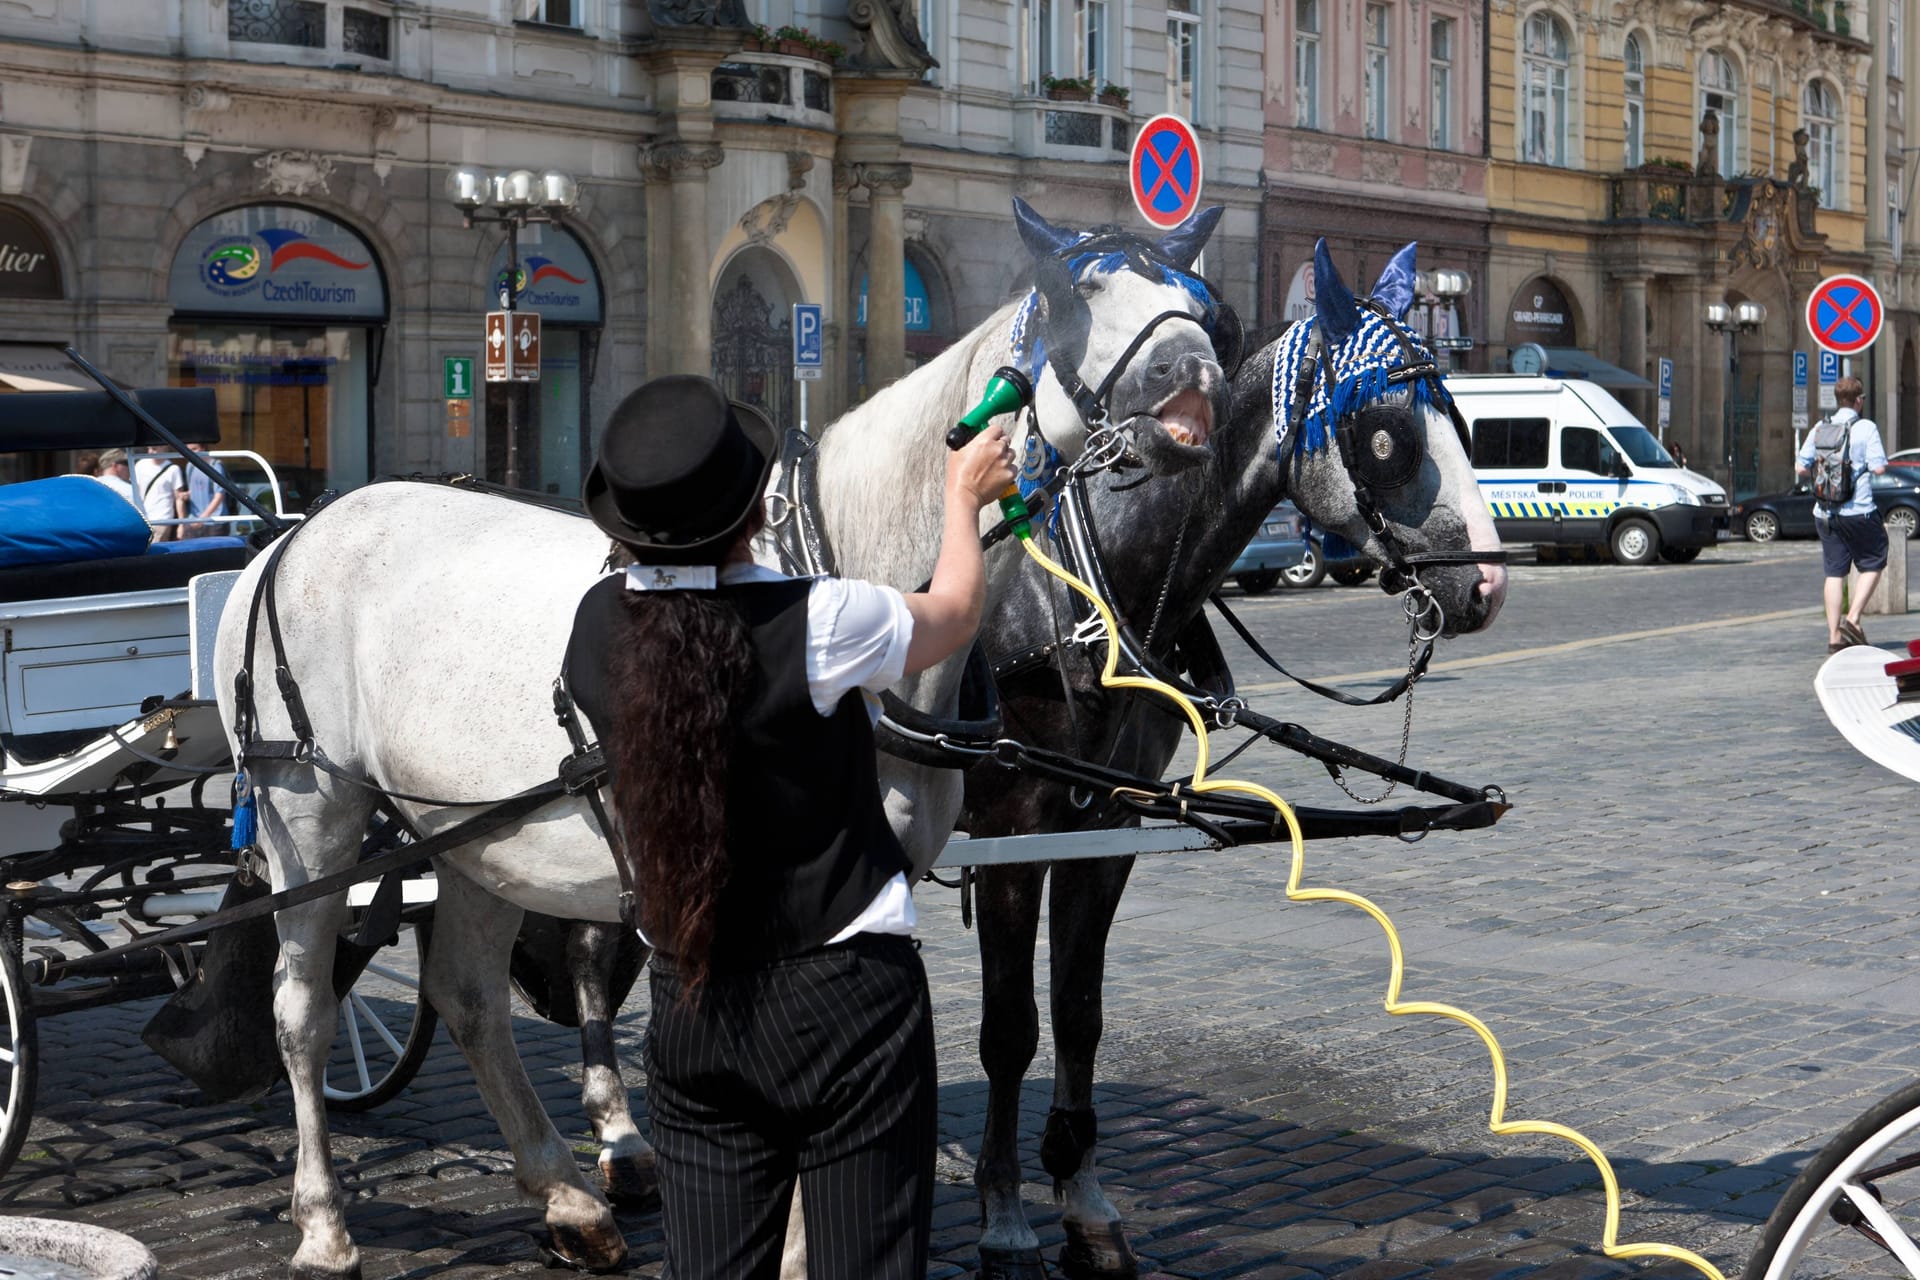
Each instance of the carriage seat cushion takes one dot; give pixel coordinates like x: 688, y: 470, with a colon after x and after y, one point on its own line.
x: 67, y: 519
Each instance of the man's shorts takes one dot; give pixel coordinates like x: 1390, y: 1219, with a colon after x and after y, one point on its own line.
x: 1859, y: 541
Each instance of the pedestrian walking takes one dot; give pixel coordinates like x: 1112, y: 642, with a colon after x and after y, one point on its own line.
x: 161, y: 491
x: 1851, y: 535
x: 205, y: 498
x: 114, y: 473
x: 791, y: 1037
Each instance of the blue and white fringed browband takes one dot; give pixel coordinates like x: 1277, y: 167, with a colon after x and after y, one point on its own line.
x: 1372, y: 361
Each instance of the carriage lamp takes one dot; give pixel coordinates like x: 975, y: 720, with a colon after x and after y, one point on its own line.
x: 512, y: 198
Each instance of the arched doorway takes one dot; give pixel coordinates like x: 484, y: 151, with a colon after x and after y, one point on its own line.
x: 753, y: 332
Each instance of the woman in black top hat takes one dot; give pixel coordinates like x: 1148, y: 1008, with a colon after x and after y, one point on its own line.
x: 791, y: 1034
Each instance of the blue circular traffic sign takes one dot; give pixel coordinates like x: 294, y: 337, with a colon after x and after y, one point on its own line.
x: 1164, y: 171
x: 1844, y: 314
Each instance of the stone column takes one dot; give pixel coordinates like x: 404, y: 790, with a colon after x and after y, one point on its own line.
x: 886, y: 271
x: 685, y: 320
x: 1633, y: 343
x: 846, y: 303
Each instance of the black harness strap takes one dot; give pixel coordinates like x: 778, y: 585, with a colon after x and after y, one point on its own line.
x: 1416, y: 669
x: 584, y: 773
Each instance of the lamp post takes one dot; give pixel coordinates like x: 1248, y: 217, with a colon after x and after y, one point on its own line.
x: 512, y: 199
x: 1443, y: 288
x: 1730, y: 319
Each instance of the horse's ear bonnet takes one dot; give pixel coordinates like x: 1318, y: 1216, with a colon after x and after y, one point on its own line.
x: 1183, y: 244
x: 1395, y: 287
x: 1041, y: 237
x: 1333, y: 303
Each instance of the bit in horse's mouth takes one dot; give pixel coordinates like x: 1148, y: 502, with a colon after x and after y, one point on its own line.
x: 1187, y: 418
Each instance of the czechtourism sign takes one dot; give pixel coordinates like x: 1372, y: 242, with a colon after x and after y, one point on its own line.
x: 276, y: 262
x: 557, y: 278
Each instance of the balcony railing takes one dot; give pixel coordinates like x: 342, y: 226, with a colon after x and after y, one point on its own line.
x: 775, y: 87
x: 305, y: 24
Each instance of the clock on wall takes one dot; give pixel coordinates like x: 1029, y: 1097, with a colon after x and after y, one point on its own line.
x: 1528, y: 358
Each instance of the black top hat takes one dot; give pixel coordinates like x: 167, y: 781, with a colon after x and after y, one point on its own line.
x: 680, y: 470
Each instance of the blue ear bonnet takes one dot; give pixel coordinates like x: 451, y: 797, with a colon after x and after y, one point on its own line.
x: 1362, y: 366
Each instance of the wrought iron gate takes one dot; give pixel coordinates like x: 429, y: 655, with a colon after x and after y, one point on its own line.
x: 753, y: 352
x: 1742, y: 436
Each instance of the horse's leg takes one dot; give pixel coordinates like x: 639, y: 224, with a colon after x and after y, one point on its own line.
x: 308, y: 827
x: 466, y: 979
x: 626, y: 1161
x: 1007, y: 900
x: 1085, y: 896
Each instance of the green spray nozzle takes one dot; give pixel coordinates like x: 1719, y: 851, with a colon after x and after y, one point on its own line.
x: 1008, y: 390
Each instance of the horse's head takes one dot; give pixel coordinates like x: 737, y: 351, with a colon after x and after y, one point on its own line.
x: 1118, y: 329
x: 1373, y: 449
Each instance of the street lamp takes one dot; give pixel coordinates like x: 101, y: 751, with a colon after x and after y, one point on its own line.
x: 512, y: 199
x: 1443, y: 287
x: 1730, y: 319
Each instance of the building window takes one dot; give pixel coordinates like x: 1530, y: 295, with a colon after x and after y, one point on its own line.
x: 1379, y: 74
x: 1183, y: 57
x: 295, y: 22
x: 1822, y: 117
x: 364, y: 33
x: 929, y: 33
x: 1543, y: 80
x: 1896, y: 23
x: 1306, y: 64
x: 1720, y: 94
x: 1036, y: 42
x: 1090, y: 41
x: 1636, y: 102
x: 556, y: 13
x: 1440, y: 83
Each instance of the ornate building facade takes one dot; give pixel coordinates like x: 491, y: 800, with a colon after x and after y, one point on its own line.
x: 249, y: 195
x: 1651, y: 158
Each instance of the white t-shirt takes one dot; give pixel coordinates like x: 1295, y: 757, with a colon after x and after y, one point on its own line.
x: 857, y: 638
x: 119, y: 486
x: 156, y: 489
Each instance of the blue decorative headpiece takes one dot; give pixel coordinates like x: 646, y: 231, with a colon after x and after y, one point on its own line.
x: 1363, y: 350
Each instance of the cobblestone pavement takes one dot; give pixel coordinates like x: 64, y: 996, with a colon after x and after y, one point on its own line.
x: 1687, y: 950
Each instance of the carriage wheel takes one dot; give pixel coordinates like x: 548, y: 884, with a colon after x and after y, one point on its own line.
x: 386, y: 1026
x: 19, y: 1049
x: 1855, y: 1209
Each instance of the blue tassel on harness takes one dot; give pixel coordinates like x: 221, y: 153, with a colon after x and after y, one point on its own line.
x: 244, y: 826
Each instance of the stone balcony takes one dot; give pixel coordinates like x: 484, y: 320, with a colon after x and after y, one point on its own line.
x: 774, y: 87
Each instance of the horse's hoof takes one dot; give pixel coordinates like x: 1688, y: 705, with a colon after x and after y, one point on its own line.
x: 631, y: 1183
x: 308, y: 1271
x: 594, y: 1249
x: 1098, y: 1253
x: 1011, y: 1264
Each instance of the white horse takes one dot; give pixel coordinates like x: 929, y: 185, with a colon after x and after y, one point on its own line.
x: 425, y: 626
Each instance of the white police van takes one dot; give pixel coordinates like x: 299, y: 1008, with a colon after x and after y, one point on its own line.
x: 1562, y: 463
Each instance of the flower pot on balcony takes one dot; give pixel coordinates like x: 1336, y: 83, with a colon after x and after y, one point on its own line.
x: 1114, y: 100
x: 1069, y: 95
x: 795, y: 49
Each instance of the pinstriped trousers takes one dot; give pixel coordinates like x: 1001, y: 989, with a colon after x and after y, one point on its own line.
x: 818, y: 1068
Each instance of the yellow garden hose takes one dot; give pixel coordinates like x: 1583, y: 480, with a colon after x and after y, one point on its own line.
x: 1394, y: 1004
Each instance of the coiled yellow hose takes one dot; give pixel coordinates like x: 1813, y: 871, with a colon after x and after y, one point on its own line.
x: 1394, y: 1004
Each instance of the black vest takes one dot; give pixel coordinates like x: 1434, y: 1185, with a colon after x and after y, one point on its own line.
x: 806, y: 832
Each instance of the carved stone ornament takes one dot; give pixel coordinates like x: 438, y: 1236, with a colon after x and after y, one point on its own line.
x: 389, y: 123
x: 1381, y: 167
x: 1797, y: 172
x: 885, y: 179
x: 799, y: 165
x: 886, y: 37
x: 769, y: 218
x: 1445, y: 175
x: 1708, y: 163
x: 697, y: 13
x: 294, y: 173
x: 675, y: 160
x: 202, y: 103
x: 1763, y: 236
x: 1312, y: 157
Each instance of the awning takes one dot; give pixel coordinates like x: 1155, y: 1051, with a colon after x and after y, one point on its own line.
x: 37, y: 368
x: 1571, y: 362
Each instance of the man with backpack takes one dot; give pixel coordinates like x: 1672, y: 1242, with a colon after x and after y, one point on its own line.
x: 1838, y: 456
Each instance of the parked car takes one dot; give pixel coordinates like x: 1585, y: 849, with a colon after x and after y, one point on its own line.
x: 1277, y: 548
x: 1328, y: 556
x: 1790, y: 514
x: 1904, y: 458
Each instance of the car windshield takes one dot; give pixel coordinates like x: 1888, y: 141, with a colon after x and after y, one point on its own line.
x: 1638, y: 444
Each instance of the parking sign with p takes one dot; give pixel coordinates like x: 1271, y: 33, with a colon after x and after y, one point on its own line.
x: 809, y: 344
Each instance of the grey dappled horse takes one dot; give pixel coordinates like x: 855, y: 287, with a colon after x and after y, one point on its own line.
x: 1167, y: 544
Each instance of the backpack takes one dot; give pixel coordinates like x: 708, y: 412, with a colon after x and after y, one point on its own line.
x: 1832, y: 463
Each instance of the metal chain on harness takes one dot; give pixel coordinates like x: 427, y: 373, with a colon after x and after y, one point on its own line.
x: 1416, y: 610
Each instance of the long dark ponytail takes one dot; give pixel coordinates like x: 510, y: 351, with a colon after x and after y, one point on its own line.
x: 680, y: 668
